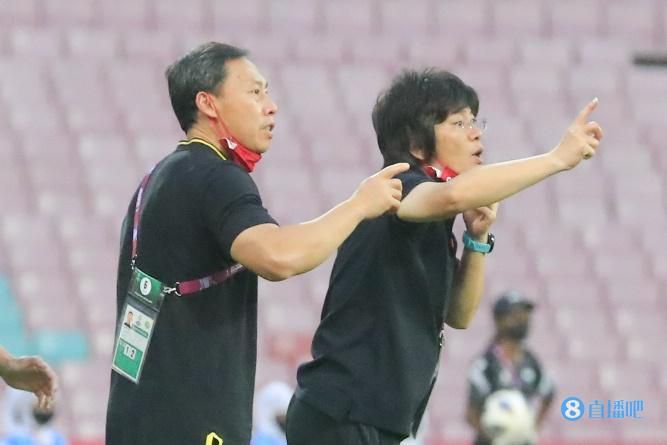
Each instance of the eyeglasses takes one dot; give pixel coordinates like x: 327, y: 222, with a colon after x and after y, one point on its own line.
x: 480, y: 124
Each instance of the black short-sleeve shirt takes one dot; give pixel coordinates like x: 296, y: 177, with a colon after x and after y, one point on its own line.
x: 199, y: 372
x: 376, y: 350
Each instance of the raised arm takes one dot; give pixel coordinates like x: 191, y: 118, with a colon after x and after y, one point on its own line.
x: 484, y: 185
x: 277, y: 253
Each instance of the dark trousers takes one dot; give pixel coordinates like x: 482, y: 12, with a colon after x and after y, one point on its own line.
x: 306, y: 425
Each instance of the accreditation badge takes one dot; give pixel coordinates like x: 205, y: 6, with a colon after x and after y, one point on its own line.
x: 142, y: 306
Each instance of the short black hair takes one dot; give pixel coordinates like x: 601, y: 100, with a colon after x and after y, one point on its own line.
x: 202, y: 69
x: 404, y: 114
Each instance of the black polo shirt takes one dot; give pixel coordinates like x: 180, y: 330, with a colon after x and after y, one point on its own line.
x: 377, y: 346
x: 199, y: 372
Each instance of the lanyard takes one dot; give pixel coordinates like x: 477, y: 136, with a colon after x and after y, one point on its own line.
x: 508, y: 365
x: 184, y: 287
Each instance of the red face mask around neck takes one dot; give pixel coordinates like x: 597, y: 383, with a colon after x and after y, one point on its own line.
x: 441, y: 172
x: 239, y: 153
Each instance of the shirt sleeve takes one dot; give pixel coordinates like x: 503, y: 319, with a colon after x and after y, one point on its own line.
x: 479, y: 386
x: 231, y: 203
x: 411, y: 179
x: 545, y: 387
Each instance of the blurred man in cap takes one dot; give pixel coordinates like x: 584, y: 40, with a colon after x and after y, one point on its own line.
x: 508, y: 364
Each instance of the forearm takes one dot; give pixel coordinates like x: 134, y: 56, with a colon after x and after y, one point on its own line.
x: 5, y: 362
x: 304, y: 246
x: 278, y: 253
x: 477, y: 187
x: 467, y: 289
x: 491, y: 183
x: 542, y: 413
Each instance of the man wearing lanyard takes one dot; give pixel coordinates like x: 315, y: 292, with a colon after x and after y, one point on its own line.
x: 193, y: 242
x: 508, y: 364
x: 397, y: 280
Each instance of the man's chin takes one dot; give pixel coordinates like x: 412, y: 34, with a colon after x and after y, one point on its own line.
x: 262, y: 148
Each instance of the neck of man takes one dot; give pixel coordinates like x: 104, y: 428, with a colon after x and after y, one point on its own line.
x: 205, y: 132
x: 512, y: 349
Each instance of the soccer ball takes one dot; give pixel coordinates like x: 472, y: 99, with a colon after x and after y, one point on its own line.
x: 507, y: 419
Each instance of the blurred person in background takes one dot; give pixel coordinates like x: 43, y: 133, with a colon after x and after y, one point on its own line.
x: 194, y: 240
x: 29, y: 374
x: 508, y: 364
x: 396, y: 280
x: 27, y: 423
x: 270, y: 412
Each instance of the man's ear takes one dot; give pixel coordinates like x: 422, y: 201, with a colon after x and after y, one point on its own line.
x: 204, y: 104
x: 418, y: 153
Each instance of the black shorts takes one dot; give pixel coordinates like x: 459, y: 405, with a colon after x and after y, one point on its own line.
x: 306, y: 425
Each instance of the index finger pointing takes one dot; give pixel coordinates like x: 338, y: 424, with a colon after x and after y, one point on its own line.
x: 582, y: 118
x: 393, y: 170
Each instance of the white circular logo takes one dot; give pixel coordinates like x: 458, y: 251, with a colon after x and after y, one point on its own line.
x: 145, y: 286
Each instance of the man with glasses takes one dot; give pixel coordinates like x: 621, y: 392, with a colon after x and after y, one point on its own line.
x: 396, y: 280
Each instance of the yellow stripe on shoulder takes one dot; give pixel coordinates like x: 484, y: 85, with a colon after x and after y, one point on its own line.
x: 203, y: 142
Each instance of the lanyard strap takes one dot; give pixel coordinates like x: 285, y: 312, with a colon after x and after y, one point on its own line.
x: 185, y: 287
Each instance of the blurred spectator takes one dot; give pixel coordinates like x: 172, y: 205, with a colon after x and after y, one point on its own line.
x: 508, y: 364
x: 26, y: 423
x: 271, y: 409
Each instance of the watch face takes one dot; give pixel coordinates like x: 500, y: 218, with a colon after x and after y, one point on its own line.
x: 491, y: 241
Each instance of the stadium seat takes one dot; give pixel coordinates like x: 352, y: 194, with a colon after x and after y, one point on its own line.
x: 638, y: 321
x: 580, y: 293
x: 360, y: 85
x: 125, y: 15
x: 625, y: 378
x: 93, y: 44
x: 325, y: 50
x: 587, y: 81
x: 613, y: 53
x: 39, y: 43
x: 71, y: 13
x: 249, y: 15
x: 157, y: 46
x: 497, y: 52
x: 518, y: 18
x: 383, y: 50
x: 57, y: 347
x: 572, y: 17
x: 403, y: 18
x: 18, y: 13
x: 294, y: 17
x: 350, y: 17
x: 546, y: 53
x: 635, y: 23
x: 632, y: 265
x: 170, y: 14
x: 471, y: 18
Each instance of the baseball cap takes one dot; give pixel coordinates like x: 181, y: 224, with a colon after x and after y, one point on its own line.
x: 509, y: 300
